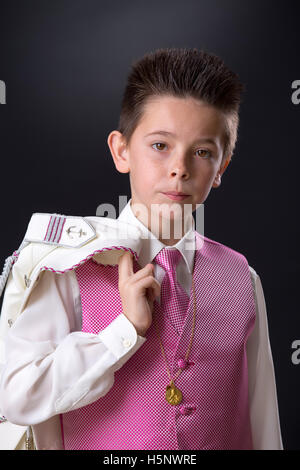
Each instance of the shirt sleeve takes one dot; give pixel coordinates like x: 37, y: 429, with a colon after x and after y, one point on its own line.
x: 264, y: 413
x: 50, y: 367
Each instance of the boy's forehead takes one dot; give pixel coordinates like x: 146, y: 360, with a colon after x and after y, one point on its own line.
x: 181, y: 117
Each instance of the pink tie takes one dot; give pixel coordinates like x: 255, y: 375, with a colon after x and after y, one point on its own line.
x: 174, y: 300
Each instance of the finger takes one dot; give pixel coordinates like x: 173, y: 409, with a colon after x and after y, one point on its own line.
x: 149, y: 282
x: 125, y: 266
x: 143, y: 272
x: 152, y: 294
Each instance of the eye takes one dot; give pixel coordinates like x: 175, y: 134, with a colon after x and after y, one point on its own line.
x: 158, y: 143
x: 207, y: 152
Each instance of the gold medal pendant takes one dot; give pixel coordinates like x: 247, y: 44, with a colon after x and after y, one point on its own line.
x: 173, y: 394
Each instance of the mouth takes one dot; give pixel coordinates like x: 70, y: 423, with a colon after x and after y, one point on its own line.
x: 175, y: 195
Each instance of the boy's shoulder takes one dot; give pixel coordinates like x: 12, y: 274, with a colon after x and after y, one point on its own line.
x: 223, y: 248
x: 210, y: 241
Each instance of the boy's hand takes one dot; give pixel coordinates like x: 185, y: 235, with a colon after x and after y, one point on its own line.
x: 137, y: 291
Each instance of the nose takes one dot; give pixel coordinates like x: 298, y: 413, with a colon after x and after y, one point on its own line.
x: 179, y: 168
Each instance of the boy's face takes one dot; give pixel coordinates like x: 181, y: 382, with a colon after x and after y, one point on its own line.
x: 185, y: 161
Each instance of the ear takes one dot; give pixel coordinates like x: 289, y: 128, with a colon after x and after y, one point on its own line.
x: 217, y: 180
x: 119, y: 151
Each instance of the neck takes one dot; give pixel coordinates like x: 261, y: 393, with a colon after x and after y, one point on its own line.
x: 167, y: 230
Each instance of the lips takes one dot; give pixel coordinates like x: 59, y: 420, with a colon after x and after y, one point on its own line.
x: 175, y: 193
x: 176, y: 196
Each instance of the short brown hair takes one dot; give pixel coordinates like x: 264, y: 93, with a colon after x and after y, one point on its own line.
x: 182, y: 72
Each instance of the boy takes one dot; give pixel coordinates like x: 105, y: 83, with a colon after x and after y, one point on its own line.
x: 206, y: 346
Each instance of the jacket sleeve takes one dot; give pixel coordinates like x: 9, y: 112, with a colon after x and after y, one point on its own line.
x: 264, y: 413
x: 51, y: 366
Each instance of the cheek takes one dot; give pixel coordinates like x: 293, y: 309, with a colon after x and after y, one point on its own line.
x: 148, y: 172
x: 208, y: 170
x: 150, y: 179
x: 205, y: 178
x: 144, y: 179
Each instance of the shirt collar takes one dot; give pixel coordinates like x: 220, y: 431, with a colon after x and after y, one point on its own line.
x: 151, y: 245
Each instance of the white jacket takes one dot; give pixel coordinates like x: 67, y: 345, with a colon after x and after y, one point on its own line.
x: 80, y: 238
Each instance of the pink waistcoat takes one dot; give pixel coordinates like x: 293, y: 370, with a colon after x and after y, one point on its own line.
x: 214, y: 412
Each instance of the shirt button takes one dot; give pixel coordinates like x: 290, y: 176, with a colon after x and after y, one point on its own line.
x: 187, y: 409
x: 127, y: 343
x: 182, y: 363
x: 183, y: 410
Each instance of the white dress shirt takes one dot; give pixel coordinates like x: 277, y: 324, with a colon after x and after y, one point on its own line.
x: 53, y: 367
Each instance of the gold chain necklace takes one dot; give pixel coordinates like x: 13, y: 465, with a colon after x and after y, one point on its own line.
x: 173, y: 394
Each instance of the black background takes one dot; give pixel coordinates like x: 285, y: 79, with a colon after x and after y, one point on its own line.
x: 65, y: 65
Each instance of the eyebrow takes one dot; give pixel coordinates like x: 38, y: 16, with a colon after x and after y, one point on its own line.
x: 201, y: 139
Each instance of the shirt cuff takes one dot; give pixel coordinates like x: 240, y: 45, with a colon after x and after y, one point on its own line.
x: 121, y: 339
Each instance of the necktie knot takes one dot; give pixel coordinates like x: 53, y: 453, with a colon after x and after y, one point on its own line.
x: 168, y: 258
